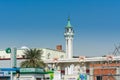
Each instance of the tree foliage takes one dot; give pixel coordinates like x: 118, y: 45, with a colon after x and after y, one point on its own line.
x: 33, y: 58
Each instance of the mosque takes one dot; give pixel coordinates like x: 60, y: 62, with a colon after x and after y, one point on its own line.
x: 83, y: 68
x: 62, y: 65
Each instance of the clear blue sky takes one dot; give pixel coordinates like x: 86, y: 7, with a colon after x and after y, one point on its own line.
x: 41, y: 23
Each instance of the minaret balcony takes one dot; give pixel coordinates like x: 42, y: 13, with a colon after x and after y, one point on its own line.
x: 69, y: 34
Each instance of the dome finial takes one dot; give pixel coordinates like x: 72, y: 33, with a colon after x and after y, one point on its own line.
x: 68, y: 18
x: 68, y: 24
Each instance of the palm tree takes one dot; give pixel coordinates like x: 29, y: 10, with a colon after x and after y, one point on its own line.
x: 33, y: 59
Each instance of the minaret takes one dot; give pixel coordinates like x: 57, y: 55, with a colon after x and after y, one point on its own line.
x: 69, y: 34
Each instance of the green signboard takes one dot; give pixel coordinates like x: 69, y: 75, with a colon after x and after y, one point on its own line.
x: 31, y: 70
x: 8, y: 50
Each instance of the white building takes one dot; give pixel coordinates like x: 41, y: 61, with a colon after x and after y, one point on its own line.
x: 30, y: 73
x: 47, y: 54
x: 82, y: 67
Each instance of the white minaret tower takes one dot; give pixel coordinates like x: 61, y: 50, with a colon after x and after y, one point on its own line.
x: 69, y: 34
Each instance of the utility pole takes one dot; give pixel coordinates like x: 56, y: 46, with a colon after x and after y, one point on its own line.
x: 12, y: 53
x: 8, y: 51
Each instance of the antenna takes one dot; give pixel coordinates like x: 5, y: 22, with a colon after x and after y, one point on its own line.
x: 116, y: 51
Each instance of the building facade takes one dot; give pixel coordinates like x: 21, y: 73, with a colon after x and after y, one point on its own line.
x: 5, y: 63
x: 84, y: 68
x: 61, y: 65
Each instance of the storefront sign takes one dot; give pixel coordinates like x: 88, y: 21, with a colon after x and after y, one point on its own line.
x: 31, y: 70
x: 1, y: 73
x: 4, y: 73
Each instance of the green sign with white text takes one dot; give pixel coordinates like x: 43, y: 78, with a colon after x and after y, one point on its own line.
x: 8, y: 50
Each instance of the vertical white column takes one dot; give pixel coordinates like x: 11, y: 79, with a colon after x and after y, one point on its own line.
x: 72, y: 67
x: 66, y: 48
x: 66, y: 70
x: 117, y: 72
x: 71, y: 47
x: 91, y: 73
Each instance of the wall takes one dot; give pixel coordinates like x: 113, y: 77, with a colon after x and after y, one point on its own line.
x: 107, y: 71
x: 47, y: 53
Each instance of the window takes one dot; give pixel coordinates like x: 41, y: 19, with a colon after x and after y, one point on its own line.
x: 98, y: 77
x: 48, y: 56
x: 23, y: 56
x: 61, y: 56
x: 38, y: 78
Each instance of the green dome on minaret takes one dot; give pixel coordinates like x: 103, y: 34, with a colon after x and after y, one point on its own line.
x: 68, y: 24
